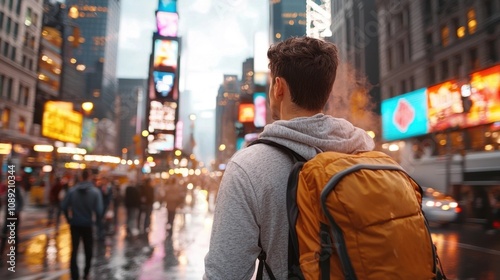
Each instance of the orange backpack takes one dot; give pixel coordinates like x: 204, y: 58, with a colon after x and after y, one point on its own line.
x: 355, y: 217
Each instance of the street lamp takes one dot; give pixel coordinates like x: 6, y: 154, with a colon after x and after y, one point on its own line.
x: 87, y: 107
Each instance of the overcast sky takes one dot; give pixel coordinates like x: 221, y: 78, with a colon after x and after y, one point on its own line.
x: 217, y: 37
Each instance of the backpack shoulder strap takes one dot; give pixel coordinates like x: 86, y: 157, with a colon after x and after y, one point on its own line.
x: 291, y: 153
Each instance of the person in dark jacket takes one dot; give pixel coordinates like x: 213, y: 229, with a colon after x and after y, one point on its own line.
x: 147, y: 195
x: 83, y: 201
x: 132, y: 204
x: 55, y: 202
x: 106, y: 189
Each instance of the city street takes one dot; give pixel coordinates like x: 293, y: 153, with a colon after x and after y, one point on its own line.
x: 466, y: 251
x: 45, y: 254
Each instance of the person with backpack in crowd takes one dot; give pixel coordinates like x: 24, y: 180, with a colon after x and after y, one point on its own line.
x: 82, y: 205
x: 251, y: 219
x: 147, y: 198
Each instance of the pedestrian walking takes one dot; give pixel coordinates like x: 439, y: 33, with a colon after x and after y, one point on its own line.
x: 132, y: 203
x: 55, y: 202
x: 147, y: 197
x: 106, y: 189
x: 175, y: 196
x: 251, y: 203
x: 82, y: 204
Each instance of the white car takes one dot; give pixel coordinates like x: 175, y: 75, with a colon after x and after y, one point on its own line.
x: 439, y: 208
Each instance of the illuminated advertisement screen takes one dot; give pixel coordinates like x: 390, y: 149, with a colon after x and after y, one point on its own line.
x: 161, y: 142
x: 61, y: 123
x: 165, y: 55
x: 167, y: 23
x: 167, y: 6
x: 259, y: 101
x: 165, y: 85
x: 485, y: 96
x: 405, y: 116
x: 246, y: 113
x: 445, y: 106
x: 162, y: 116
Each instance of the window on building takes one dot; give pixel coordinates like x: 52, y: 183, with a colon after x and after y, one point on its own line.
x: 412, y: 83
x: 13, y: 54
x: 391, y: 92
x: 488, y: 8
x: 409, y: 47
x: 11, y: 4
x: 2, y: 82
x: 1, y: 20
x: 26, y: 100
x: 458, y: 67
x: 22, y: 125
x: 473, y: 58
x: 8, y: 25
x: 9, y: 88
x: 431, y: 72
x: 471, y: 21
x: 401, y: 51
x: 5, y: 118
x: 444, y: 70
x: 6, y: 48
x: 428, y: 39
x: 16, y: 30
x: 18, y: 7
x: 403, y: 87
x: 389, y: 58
x: 492, y: 51
x: 445, y: 36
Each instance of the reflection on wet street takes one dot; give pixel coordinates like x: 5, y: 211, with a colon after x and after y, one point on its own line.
x: 45, y: 253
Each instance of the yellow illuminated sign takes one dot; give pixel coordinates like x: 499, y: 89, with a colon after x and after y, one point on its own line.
x: 61, y: 123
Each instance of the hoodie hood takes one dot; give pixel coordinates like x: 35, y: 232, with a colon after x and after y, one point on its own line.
x: 83, y: 186
x: 309, y: 136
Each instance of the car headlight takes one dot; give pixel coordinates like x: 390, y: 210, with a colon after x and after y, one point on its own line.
x: 453, y: 204
x: 429, y: 203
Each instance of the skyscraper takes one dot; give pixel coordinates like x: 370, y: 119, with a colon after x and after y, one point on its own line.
x: 96, y: 27
x: 287, y: 19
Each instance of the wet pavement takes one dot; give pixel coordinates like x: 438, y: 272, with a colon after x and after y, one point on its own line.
x: 44, y: 253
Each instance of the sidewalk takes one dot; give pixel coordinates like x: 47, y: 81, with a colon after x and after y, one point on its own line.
x: 45, y: 254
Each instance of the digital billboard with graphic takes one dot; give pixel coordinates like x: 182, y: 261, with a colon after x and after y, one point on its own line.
x: 405, y: 115
x: 165, y: 54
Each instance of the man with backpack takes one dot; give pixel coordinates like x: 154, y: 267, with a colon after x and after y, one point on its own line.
x: 82, y: 205
x: 251, y: 218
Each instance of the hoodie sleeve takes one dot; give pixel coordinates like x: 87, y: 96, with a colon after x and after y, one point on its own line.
x: 234, y: 241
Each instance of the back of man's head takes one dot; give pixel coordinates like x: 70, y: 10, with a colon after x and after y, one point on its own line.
x: 86, y: 174
x: 309, y: 67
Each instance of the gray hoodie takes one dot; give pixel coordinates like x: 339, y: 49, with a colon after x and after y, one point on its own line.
x: 83, y: 199
x: 252, y: 194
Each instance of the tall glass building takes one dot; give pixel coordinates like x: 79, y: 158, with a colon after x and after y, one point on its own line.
x: 288, y: 19
x: 93, y: 42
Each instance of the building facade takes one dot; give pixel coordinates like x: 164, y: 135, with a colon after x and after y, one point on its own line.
x: 446, y: 56
x: 226, y: 115
x: 20, y: 29
x: 131, y: 114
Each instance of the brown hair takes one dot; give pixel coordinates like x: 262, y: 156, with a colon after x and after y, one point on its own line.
x: 309, y: 66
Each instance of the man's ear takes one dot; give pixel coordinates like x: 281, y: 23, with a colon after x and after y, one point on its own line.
x: 280, y: 85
